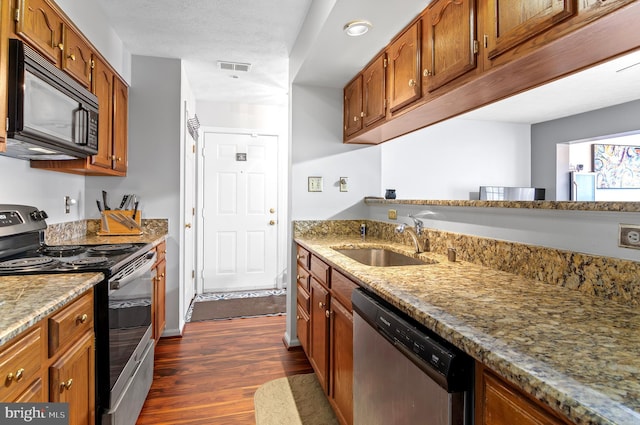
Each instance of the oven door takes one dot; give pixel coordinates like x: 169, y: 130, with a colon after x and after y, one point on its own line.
x: 130, y: 303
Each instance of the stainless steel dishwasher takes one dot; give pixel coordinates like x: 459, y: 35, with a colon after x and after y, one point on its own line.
x: 403, y: 373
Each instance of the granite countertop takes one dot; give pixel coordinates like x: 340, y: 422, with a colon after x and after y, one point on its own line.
x: 25, y: 300
x: 576, y: 353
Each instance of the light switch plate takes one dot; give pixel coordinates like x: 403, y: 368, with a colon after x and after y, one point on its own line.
x: 314, y: 184
x: 629, y: 236
x: 343, y: 184
x: 392, y: 214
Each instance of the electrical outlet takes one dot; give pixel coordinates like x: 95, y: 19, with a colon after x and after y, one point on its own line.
x: 392, y: 214
x: 629, y: 236
x: 343, y: 184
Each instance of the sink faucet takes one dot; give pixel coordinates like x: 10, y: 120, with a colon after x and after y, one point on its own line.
x: 412, y: 232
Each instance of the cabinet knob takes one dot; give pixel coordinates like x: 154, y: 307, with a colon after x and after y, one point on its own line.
x: 426, y: 73
x: 297, y: 317
x: 327, y: 313
x: 60, y: 46
x: 66, y: 385
x: 297, y: 277
x: 321, y: 304
x: 72, y: 57
x: 18, y: 376
x: 119, y: 159
x: 161, y: 274
x: 355, y: 119
x: 298, y: 257
x: 412, y: 83
x: 83, y: 318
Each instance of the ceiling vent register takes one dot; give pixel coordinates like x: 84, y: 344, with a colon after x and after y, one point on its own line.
x: 234, y: 66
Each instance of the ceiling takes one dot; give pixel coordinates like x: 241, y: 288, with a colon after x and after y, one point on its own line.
x: 263, y: 33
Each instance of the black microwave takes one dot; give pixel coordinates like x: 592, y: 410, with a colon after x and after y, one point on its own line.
x: 49, y: 115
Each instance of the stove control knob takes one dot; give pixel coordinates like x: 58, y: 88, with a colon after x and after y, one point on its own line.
x: 38, y: 215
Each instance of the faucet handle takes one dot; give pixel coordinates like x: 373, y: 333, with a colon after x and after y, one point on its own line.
x: 400, y: 228
x: 418, y: 223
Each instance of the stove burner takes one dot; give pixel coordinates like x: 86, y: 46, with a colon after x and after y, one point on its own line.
x: 86, y: 262
x: 111, y: 249
x: 62, y: 250
x: 27, y: 264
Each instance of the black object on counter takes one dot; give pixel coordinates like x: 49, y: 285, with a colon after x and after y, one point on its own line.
x: 390, y: 194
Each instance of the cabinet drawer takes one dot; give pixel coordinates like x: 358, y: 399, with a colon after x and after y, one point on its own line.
x: 72, y: 322
x: 303, y: 299
x: 303, y: 278
x: 20, y: 364
x: 320, y: 270
x: 303, y: 257
x: 341, y: 288
x: 302, y: 321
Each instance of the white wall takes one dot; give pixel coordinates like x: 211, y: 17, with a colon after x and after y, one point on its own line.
x: 451, y: 159
x: 317, y: 150
x: 155, y: 119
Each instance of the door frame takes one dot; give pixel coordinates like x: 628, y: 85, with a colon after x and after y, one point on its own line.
x: 282, y: 196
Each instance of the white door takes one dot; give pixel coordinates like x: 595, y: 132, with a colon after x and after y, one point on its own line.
x: 189, y: 214
x: 239, y: 216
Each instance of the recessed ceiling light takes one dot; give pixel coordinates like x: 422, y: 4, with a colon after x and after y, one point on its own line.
x: 357, y: 28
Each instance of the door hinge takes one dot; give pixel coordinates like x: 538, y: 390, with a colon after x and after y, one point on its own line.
x: 475, y: 47
x: 193, y: 274
x: 385, y: 63
x: 193, y: 148
x: 193, y: 211
x: 16, y: 14
x: 486, y: 41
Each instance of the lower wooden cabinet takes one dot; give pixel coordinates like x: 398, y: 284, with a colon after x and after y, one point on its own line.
x: 499, y: 403
x: 158, y: 311
x: 319, y: 332
x: 72, y: 380
x: 341, y: 361
x: 54, y: 361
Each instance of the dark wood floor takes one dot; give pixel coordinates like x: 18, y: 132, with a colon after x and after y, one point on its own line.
x: 209, y: 375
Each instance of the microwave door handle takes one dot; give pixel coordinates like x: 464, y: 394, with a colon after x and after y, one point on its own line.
x: 81, y: 125
x: 85, y: 125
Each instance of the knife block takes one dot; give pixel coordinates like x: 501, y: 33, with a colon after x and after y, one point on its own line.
x: 115, y: 228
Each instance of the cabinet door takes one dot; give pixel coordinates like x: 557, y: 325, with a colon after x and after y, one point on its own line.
x: 341, y: 361
x: 77, y: 57
x: 373, y: 91
x: 20, y: 364
x: 403, y: 69
x: 120, y: 124
x: 39, y: 24
x: 159, y: 300
x: 353, y: 106
x: 319, y: 332
x: 302, y: 324
x: 71, y: 380
x: 501, y: 404
x: 510, y: 23
x: 102, y: 87
x: 448, y: 43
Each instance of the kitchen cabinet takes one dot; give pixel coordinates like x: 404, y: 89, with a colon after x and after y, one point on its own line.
x: 71, y: 349
x: 374, y: 104
x: 512, y: 23
x: 40, y: 24
x: 353, y: 106
x: 319, y: 332
x: 403, y: 69
x: 159, y: 319
x: 71, y: 380
x: 325, y: 322
x: 20, y: 367
x: 341, y: 347
x: 449, y: 45
x: 77, y: 57
x: 499, y: 403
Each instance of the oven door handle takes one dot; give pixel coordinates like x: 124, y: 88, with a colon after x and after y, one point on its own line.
x: 143, y: 269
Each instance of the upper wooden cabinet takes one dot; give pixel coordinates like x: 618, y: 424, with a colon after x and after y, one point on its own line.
x: 41, y: 26
x: 77, y: 57
x: 120, y: 126
x: 102, y: 86
x: 353, y: 106
x: 449, y: 44
x: 403, y: 69
x: 513, y: 22
x: 374, y: 91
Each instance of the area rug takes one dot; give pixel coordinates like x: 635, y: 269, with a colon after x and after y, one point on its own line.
x: 238, y: 307
x: 293, y: 400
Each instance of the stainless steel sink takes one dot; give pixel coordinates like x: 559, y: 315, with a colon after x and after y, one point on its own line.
x: 379, y: 257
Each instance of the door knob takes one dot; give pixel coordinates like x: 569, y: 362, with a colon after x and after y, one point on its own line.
x: 188, y: 225
x: 272, y: 222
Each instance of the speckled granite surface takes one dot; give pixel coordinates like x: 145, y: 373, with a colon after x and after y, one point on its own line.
x: 85, y: 232
x: 25, y: 300
x: 576, y: 352
x: 548, y: 205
